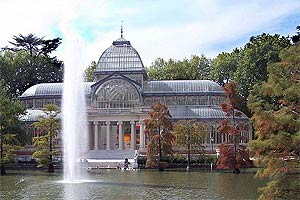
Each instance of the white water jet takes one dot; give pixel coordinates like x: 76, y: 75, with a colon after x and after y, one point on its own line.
x: 75, y: 137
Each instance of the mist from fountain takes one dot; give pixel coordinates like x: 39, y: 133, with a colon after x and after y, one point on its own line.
x: 74, y: 120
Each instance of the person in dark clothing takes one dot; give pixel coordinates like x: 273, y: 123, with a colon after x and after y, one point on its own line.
x: 126, y: 163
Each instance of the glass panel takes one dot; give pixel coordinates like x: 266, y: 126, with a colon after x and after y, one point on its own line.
x: 117, y: 93
x: 120, y: 57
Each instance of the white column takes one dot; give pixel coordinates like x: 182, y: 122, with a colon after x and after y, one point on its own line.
x: 121, y: 136
x: 132, y: 140
x: 96, y: 140
x: 108, y: 135
x: 142, y: 136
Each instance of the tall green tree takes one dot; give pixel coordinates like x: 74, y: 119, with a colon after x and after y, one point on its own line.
x: 224, y: 66
x: 159, y: 126
x: 89, y: 72
x: 188, y: 69
x: 276, y: 115
x: 10, y: 110
x: 255, y: 56
x: 190, y: 135
x: 28, y: 62
x: 48, y: 127
x: 204, y: 67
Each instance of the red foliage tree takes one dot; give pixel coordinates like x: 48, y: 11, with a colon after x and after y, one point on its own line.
x: 232, y: 154
x: 158, y: 127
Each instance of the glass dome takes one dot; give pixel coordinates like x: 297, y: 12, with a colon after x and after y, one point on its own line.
x: 121, y: 56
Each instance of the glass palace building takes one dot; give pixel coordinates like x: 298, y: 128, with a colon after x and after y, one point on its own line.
x: 119, y: 99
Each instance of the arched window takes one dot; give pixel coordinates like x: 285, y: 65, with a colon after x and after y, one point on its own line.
x: 116, y: 93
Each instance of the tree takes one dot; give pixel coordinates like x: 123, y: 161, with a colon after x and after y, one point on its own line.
x: 156, y: 69
x: 10, y: 110
x: 89, y: 72
x: 48, y: 127
x: 224, y: 67
x: 159, y: 126
x: 204, y: 67
x: 232, y: 155
x: 28, y: 63
x: 296, y: 38
x: 188, y: 69
x: 190, y: 135
x: 276, y: 115
x: 254, y: 57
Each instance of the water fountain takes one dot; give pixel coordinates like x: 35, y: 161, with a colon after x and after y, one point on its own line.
x: 73, y: 111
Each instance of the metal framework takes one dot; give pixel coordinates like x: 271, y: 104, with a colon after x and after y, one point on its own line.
x: 121, y: 56
x: 123, y: 92
x: 116, y: 93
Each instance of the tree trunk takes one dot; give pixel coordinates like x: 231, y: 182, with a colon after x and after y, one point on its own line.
x: 1, y: 152
x: 159, y: 146
x: 3, y: 172
x: 236, y: 171
x: 161, y: 166
x: 51, y: 168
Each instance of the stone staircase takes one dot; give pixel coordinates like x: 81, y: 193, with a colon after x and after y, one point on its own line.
x: 108, y: 158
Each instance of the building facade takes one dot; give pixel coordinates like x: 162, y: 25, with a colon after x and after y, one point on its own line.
x: 119, y: 99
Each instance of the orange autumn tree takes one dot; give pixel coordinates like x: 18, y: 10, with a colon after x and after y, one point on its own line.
x: 275, y: 105
x: 158, y: 127
x: 232, y: 154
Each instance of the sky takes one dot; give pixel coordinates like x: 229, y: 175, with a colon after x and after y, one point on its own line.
x: 167, y: 29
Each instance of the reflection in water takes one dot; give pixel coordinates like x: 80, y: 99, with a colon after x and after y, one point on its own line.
x: 144, y: 184
x: 227, y: 184
x: 73, y: 191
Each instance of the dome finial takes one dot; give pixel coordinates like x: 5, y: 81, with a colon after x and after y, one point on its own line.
x: 122, y: 29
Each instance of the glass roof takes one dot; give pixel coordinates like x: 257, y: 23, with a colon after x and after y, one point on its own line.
x: 33, y: 115
x: 151, y: 87
x: 51, y: 89
x: 182, y: 112
x: 121, y: 56
x: 182, y: 86
x: 200, y: 112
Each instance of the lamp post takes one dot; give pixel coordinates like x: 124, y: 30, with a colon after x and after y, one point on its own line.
x: 189, y: 151
x: 212, y: 144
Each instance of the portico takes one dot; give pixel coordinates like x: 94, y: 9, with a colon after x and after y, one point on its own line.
x: 116, y: 135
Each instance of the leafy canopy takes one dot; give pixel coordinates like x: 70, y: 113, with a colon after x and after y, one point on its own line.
x: 190, y: 133
x: 89, y: 72
x: 48, y: 127
x: 276, y: 115
x: 188, y: 69
x: 232, y: 154
x: 28, y: 62
x: 10, y: 110
x: 159, y: 126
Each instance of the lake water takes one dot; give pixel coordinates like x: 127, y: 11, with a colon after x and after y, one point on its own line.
x: 144, y: 184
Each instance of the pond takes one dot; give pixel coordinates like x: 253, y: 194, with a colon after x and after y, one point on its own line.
x: 143, y: 184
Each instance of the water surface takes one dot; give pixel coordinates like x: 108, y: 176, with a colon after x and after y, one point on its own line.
x: 144, y: 184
